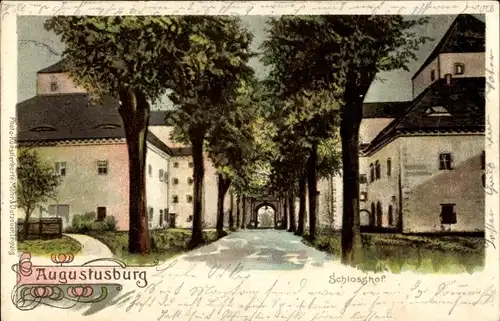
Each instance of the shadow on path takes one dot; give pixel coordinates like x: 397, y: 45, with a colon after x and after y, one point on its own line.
x: 259, y: 250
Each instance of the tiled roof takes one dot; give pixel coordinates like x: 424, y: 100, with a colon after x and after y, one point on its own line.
x: 384, y: 109
x: 55, y: 68
x: 463, y: 100
x: 71, y: 117
x: 182, y: 151
x: 158, y: 117
x: 466, y: 34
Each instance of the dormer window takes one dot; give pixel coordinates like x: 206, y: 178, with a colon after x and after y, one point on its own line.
x: 54, y: 86
x: 43, y: 129
x: 107, y: 126
x: 437, y: 111
x: 459, y: 68
x: 433, y: 75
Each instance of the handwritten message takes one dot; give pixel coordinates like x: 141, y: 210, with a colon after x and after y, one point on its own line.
x: 241, y: 8
x: 232, y: 294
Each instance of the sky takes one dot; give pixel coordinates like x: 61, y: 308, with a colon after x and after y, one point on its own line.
x: 38, y: 48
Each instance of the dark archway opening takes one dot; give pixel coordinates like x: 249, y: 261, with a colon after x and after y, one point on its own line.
x: 265, y: 215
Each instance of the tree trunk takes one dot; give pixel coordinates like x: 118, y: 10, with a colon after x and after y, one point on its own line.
x: 244, y: 213
x: 238, y: 210
x: 312, y: 182
x: 231, y: 211
x: 352, y: 250
x: 291, y: 210
x: 302, y: 204
x: 134, y: 110
x: 400, y: 205
x: 223, y: 185
x: 26, y: 224
x: 332, y: 202
x: 197, y: 138
x: 285, y: 214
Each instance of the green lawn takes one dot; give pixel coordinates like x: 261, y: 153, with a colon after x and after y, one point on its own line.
x: 165, y: 244
x: 427, y: 254
x: 52, y: 246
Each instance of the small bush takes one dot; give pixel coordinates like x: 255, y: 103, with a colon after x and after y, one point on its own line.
x: 110, y: 223
x: 98, y: 226
x: 84, y: 223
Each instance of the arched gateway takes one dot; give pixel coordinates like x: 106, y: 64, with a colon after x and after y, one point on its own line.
x: 260, y: 209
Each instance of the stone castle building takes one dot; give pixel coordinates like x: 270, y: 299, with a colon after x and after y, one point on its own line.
x: 422, y: 162
x: 85, y: 143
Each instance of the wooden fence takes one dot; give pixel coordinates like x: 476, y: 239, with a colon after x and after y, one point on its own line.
x: 42, y: 228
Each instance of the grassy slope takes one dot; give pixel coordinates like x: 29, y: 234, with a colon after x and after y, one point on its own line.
x: 397, y: 252
x: 166, y: 244
x: 47, y: 247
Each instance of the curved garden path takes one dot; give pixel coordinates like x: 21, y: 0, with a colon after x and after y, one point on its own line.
x: 91, y: 246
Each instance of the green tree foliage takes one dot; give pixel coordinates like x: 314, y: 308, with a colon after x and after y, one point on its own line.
x: 36, y: 183
x: 230, y: 143
x: 214, y: 73
x: 309, y: 110
x: 337, y: 58
x: 133, y: 59
x: 200, y: 62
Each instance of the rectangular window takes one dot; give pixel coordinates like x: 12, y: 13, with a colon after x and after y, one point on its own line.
x: 191, y: 164
x: 363, y: 196
x: 150, y: 214
x: 190, y: 180
x: 459, y: 69
x: 171, y: 220
x: 389, y: 167
x: 175, y: 181
x: 101, y: 213
x: 176, y: 165
x: 433, y: 75
x: 483, y: 160
x: 448, y: 214
x: 60, y: 210
x: 150, y: 170
x: 53, y: 86
x: 189, y: 198
x: 102, y: 167
x: 362, y: 179
x: 160, y: 175
x: 61, y: 168
x: 175, y: 199
x: 165, y: 177
x: 445, y: 161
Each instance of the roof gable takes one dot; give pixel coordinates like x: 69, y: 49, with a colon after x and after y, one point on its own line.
x: 58, y: 67
x: 466, y: 34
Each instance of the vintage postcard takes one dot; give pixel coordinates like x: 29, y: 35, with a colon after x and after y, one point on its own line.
x: 246, y: 161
